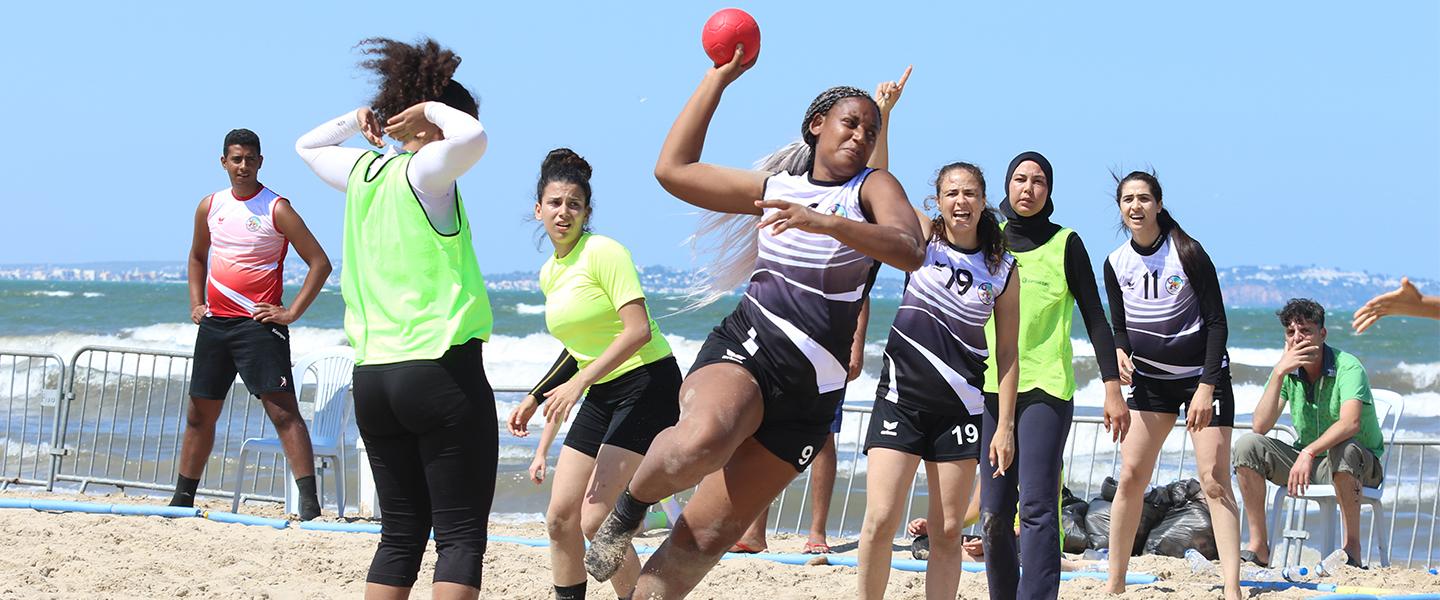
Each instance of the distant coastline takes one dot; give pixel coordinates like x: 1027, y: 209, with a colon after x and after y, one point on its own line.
x: 1243, y: 286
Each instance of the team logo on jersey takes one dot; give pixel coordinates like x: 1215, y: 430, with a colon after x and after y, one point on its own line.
x: 836, y: 209
x: 1173, y: 284
x: 888, y: 427
x: 987, y: 293
x: 252, y: 224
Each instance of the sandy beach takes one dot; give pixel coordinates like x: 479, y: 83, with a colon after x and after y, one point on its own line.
x: 70, y: 555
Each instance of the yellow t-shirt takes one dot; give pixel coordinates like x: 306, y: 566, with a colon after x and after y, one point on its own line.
x: 583, y: 292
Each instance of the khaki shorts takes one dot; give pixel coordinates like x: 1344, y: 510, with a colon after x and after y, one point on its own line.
x: 1273, y: 459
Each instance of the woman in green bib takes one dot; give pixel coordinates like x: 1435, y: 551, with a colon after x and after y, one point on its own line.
x: 416, y: 313
x: 1055, y: 277
x: 594, y: 305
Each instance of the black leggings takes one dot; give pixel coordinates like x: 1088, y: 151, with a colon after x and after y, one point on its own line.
x: 1042, y: 423
x: 430, y: 429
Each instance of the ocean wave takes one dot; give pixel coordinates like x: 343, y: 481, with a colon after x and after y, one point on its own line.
x: 93, y: 295
x: 1424, y: 375
x: 1256, y: 357
x: 168, y: 337
x: 50, y: 293
x: 513, y: 518
x: 530, y: 309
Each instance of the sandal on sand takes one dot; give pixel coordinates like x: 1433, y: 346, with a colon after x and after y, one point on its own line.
x: 1250, y: 557
x: 744, y: 548
x: 813, y: 548
x: 920, y: 548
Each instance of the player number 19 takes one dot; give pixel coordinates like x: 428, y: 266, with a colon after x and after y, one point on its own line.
x: 970, y: 435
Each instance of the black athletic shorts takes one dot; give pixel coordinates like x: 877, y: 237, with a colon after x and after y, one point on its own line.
x: 797, y: 423
x: 931, y: 436
x: 1173, y: 396
x: 628, y: 411
x: 259, y: 352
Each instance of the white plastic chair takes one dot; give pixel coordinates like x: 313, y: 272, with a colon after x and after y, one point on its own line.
x: 1389, y: 407
x: 331, y: 370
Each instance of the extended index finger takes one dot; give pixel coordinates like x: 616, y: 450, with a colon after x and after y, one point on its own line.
x: 906, y: 76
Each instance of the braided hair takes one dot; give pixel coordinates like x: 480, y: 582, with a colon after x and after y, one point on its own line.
x: 729, y: 240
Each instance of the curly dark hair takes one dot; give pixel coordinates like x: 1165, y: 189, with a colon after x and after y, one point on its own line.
x: 413, y: 73
x: 1302, y: 309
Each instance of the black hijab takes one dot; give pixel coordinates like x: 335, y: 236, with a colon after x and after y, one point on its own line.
x: 1028, y: 233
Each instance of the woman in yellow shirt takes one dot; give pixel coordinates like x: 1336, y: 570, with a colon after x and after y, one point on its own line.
x: 594, y: 305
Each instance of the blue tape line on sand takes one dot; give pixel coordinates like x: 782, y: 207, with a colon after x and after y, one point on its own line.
x: 225, y: 517
x: 14, y: 503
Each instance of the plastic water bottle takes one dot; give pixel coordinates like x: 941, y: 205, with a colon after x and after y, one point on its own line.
x: 1435, y: 571
x: 656, y: 520
x: 1096, y: 554
x: 1198, y: 563
x: 1331, y: 564
x: 1275, y: 574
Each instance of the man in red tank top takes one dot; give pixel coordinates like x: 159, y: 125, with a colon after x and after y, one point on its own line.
x: 236, y: 270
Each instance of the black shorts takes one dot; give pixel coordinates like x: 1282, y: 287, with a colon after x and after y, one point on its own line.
x: 931, y: 436
x: 628, y: 411
x: 224, y: 346
x: 1172, y: 396
x: 797, y: 423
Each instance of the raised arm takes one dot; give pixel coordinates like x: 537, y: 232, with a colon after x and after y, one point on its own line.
x: 886, y: 95
x: 679, y: 170
x: 1406, y: 300
x: 438, y: 164
x: 321, y: 150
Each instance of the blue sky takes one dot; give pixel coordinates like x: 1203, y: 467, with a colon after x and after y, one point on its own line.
x: 1283, y: 133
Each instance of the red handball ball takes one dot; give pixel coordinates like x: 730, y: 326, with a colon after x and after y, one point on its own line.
x: 726, y: 28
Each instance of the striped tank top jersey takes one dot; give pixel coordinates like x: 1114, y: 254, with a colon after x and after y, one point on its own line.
x: 247, y: 253
x: 935, y: 357
x: 800, y: 308
x: 1162, y: 312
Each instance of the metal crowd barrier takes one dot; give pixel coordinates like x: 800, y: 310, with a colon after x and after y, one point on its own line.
x: 1413, y: 496
x: 30, y: 385
x: 91, y: 423
x: 1410, y: 492
x: 123, y: 416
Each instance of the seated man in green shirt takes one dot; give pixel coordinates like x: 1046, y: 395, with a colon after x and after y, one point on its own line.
x: 1338, y: 437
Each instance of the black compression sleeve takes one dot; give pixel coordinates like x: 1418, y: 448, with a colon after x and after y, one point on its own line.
x: 1212, y: 312
x: 564, y: 368
x: 1117, y: 309
x: 1087, y: 296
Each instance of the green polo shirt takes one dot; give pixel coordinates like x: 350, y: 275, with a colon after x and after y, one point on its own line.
x: 1315, y: 407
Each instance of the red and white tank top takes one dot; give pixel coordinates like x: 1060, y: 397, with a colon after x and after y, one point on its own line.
x: 247, y: 253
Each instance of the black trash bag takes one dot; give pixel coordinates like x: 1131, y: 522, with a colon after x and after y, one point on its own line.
x: 1153, y: 509
x: 1067, y: 498
x: 1185, y: 527
x: 1185, y: 490
x: 1072, y: 525
x: 1107, y: 489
